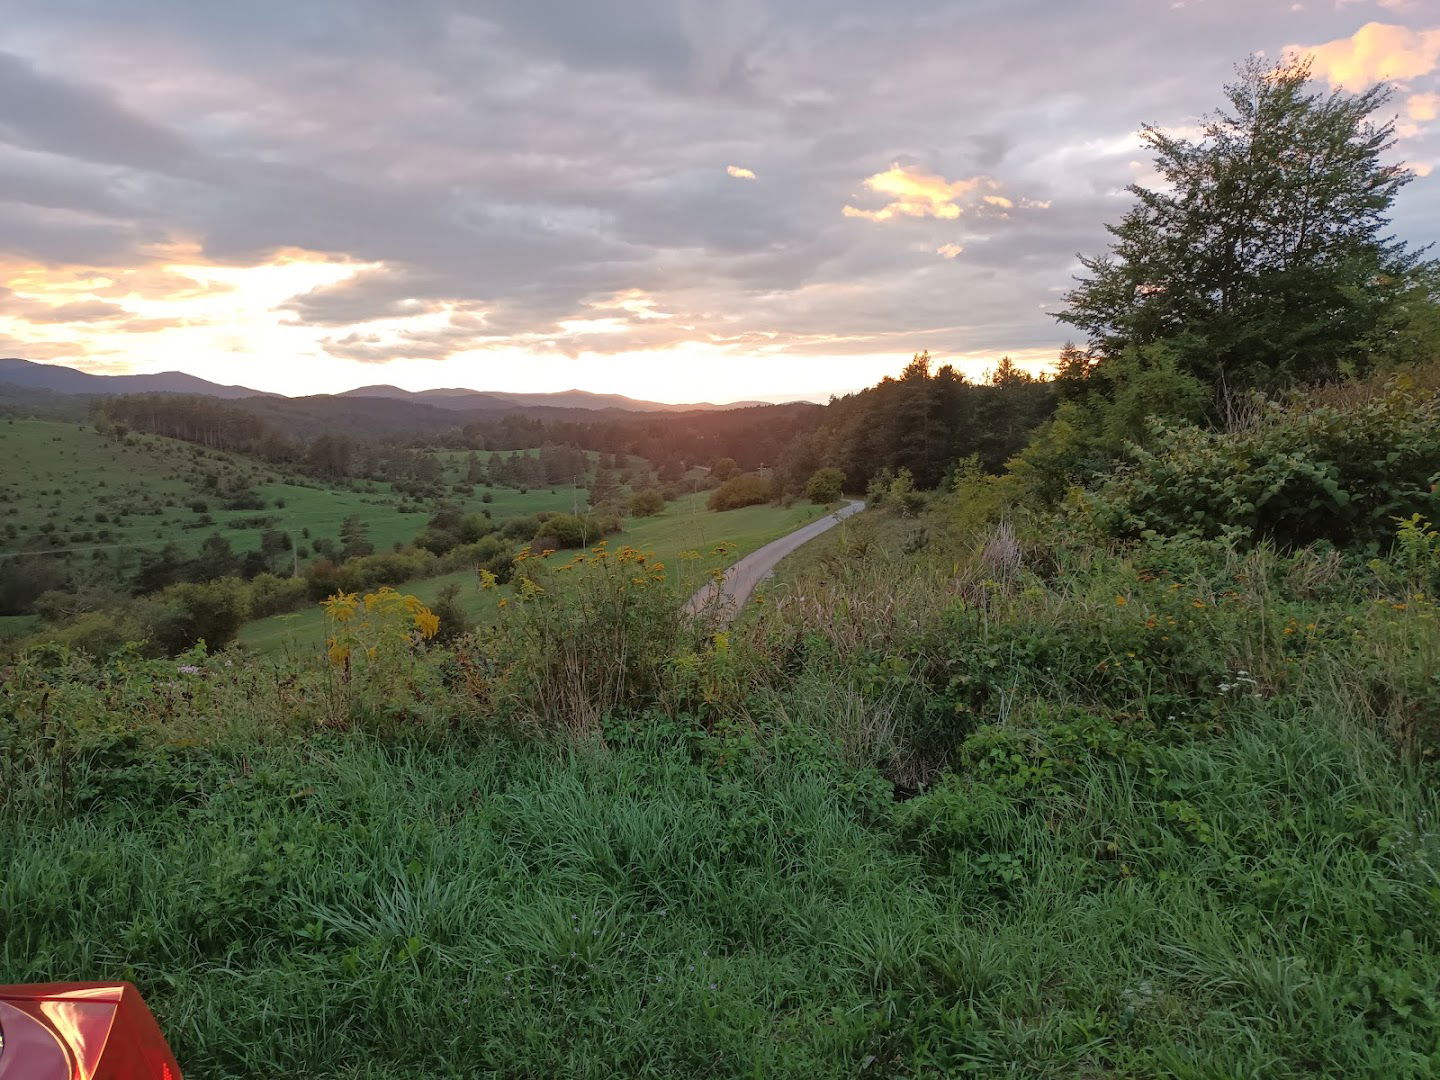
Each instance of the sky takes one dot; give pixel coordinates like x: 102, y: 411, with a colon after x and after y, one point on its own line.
x: 679, y: 200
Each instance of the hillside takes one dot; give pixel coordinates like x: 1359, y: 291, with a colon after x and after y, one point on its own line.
x: 485, y: 400
x: 98, y: 510
x: 63, y: 380
x: 324, y: 409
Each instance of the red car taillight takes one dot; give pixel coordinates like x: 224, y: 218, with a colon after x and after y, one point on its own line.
x: 81, y: 1031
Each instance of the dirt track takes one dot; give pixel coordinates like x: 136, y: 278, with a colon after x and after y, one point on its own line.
x: 741, y: 578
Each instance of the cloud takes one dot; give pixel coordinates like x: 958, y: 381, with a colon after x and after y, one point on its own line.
x: 1377, y: 52
x: 43, y: 112
x: 372, y: 293
x: 1423, y: 107
x: 483, y: 191
x: 917, y: 193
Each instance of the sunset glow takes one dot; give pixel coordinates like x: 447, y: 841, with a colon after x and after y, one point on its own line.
x: 340, y: 212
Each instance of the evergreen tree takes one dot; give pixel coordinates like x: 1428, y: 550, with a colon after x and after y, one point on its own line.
x: 603, y: 486
x: 354, y: 538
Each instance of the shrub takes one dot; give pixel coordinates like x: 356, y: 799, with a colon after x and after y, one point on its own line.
x: 182, y: 615
x: 453, y: 622
x: 825, y: 486
x: 647, y: 503
x: 747, y: 489
x: 573, y: 530
x: 561, y: 660
x: 271, y: 595
x: 1310, y: 471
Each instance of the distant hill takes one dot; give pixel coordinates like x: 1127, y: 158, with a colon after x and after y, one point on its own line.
x: 378, y: 417
x: 63, y: 380
x: 470, y: 400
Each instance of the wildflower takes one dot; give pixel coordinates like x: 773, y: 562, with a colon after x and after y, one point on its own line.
x: 189, y: 669
x: 1120, y: 601
x: 428, y: 623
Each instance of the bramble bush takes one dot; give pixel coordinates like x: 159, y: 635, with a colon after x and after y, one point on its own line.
x: 1309, y: 471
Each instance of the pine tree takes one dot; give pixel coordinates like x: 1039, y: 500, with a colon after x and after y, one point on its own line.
x: 354, y: 538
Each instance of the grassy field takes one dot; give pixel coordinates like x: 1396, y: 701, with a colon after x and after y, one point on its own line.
x: 74, y: 491
x: 17, y: 625
x: 1118, y: 815
x: 70, y: 488
x: 685, y: 524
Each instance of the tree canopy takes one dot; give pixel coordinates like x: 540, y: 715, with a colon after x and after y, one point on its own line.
x: 1262, y: 259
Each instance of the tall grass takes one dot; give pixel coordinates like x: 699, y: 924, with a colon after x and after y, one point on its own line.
x: 948, y: 801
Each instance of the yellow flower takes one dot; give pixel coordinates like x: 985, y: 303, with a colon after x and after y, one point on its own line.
x: 487, y: 579
x: 427, y: 622
x: 1120, y: 601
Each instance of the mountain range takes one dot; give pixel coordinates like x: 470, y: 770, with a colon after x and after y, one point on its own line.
x: 62, y: 380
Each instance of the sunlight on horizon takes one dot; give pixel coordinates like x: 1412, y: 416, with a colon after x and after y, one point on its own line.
x: 230, y: 324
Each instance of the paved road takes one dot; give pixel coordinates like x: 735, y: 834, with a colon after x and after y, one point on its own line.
x: 740, y: 579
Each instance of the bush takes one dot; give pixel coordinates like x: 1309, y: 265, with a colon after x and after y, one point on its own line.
x: 271, y: 595
x: 825, y: 486
x: 182, y: 615
x: 436, y: 541
x: 747, y: 489
x: 559, y: 531
x: 647, y: 503
x: 560, y: 661
x: 1315, y: 470
x: 453, y: 622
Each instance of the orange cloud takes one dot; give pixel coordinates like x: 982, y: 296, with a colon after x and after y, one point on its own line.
x: 916, y: 193
x: 1377, y: 52
x: 913, y: 192
x: 1423, y: 107
x: 739, y: 172
x: 949, y: 251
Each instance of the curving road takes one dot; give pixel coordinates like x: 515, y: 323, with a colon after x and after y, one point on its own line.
x: 741, y: 578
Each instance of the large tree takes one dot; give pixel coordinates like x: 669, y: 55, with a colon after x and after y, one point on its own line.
x: 1263, y: 259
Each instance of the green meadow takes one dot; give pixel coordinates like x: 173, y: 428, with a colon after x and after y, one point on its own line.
x: 684, y: 525
x: 69, y: 489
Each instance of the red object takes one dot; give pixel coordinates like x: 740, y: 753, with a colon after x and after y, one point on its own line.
x: 81, y: 1031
